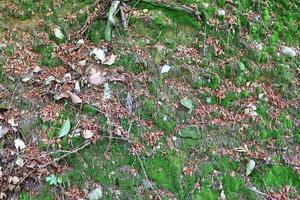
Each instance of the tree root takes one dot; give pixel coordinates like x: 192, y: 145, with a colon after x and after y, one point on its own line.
x: 111, y: 19
x: 119, y: 6
x: 177, y: 7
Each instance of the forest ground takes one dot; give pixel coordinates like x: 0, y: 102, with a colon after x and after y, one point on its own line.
x: 221, y: 122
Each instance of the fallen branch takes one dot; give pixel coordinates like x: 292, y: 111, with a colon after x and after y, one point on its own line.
x: 111, y: 20
x: 177, y: 7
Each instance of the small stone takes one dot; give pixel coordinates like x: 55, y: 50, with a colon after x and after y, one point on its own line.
x: 147, y: 184
x: 81, y: 41
x: 82, y: 63
x: 258, y: 47
x: 19, y: 144
x: 221, y: 12
x: 288, y: 51
x: 87, y: 134
x: 99, y: 54
x: 15, y: 180
x: 96, y: 194
x: 166, y: 68
x: 58, y: 33
x: 67, y: 77
x: 20, y: 162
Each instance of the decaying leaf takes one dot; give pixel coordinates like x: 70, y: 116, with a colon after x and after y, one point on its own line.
x: 190, y: 132
x: 3, y: 131
x: 188, y: 103
x: 250, y: 167
x: 75, y: 98
x: 97, y: 79
x: 109, y: 60
x: 65, y: 129
x: 62, y: 95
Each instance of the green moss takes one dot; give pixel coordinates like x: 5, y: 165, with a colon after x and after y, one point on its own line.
x: 206, y: 193
x: 88, y: 109
x: 129, y: 63
x: 165, y: 172
x: 46, y: 51
x: 275, y: 177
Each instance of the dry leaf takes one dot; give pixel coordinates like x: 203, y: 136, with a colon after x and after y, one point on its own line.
x: 62, y: 96
x: 109, y: 60
x: 75, y: 98
x: 97, y: 79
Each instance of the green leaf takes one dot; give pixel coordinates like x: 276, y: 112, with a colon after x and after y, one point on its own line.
x: 190, y: 132
x: 52, y: 180
x: 250, y: 167
x: 188, y: 103
x: 65, y: 129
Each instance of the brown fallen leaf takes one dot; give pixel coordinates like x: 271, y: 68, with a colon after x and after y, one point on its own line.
x: 62, y: 96
x: 119, y: 77
x: 109, y: 60
x: 97, y: 78
x: 3, y: 131
x: 75, y: 98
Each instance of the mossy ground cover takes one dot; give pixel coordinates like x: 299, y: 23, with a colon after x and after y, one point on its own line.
x: 243, y: 93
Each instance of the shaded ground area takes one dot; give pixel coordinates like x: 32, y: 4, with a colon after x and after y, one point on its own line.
x: 177, y: 109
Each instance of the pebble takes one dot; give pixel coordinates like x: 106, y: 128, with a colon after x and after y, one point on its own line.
x: 96, y: 194
x: 221, y: 12
x: 288, y: 51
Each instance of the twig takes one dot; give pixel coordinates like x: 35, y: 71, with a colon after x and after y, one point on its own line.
x: 123, y: 17
x: 254, y: 189
x: 67, y: 154
x: 91, y: 18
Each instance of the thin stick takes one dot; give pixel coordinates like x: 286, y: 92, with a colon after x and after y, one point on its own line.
x: 253, y: 189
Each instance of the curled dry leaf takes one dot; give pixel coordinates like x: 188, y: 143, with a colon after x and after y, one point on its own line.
x: 75, y: 98
x: 109, y: 60
x: 119, y: 77
x: 3, y: 131
x: 62, y: 95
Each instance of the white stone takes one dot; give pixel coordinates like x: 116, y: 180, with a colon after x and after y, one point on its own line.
x: 19, y: 144
x: 221, y: 12
x: 288, y: 51
x: 20, y: 162
x: 99, y: 54
x: 87, y: 134
x: 166, y: 68
x: 96, y: 194
x: 258, y: 47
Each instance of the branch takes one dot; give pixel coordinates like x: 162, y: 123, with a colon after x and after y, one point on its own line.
x: 177, y: 7
x: 110, y: 21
